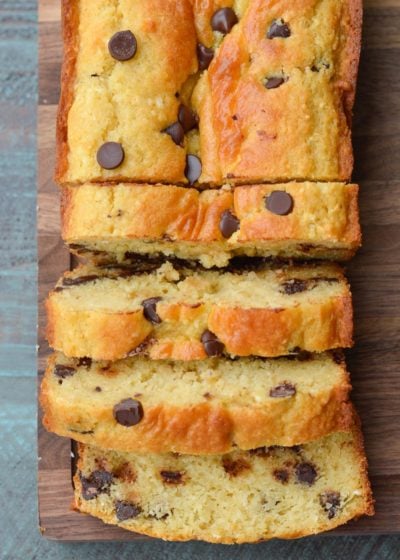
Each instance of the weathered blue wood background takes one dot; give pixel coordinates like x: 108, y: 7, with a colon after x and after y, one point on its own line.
x: 19, y: 536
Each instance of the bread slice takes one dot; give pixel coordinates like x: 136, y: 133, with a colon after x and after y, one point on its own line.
x: 114, y: 223
x: 206, y: 406
x: 109, y: 313
x: 240, y: 497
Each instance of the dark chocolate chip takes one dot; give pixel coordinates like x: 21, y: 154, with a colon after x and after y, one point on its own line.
x: 204, y: 56
x: 223, y: 20
x: 294, y: 286
x: 279, y: 202
x: 110, y: 155
x: 97, y: 483
x: 175, y: 130
x: 126, y: 510
x: 283, y: 390
x: 274, y: 82
x: 85, y: 362
x: 149, y: 310
x: 67, y: 282
x: 123, y: 45
x: 234, y: 468
x: 98, y: 389
x: 278, y: 29
x: 306, y: 473
x: 330, y: 501
x: 187, y: 118
x: 228, y: 223
x: 212, y: 345
x: 282, y: 475
x: 128, y: 412
x: 172, y: 477
x: 63, y: 371
x: 193, y: 168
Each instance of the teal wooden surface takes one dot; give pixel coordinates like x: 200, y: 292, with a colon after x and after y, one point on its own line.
x: 19, y: 536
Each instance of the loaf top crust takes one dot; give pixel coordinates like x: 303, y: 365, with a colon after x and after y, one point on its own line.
x: 246, y: 130
x: 240, y: 497
x: 202, y: 407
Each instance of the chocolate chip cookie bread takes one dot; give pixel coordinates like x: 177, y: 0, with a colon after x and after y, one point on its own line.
x: 207, y: 406
x: 307, y: 220
x: 270, y: 492
x: 195, y: 92
x: 109, y: 313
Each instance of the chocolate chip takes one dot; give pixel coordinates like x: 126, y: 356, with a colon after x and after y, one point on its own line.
x: 149, y: 310
x: 274, y: 82
x: 63, y: 371
x: 175, y: 130
x: 204, y: 56
x: 223, y: 20
x: 330, y: 501
x: 126, y: 510
x: 228, y: 223
x: 279, y: 202
x: 278, y: 29
x: 128, y: 412
x: 212, y: 345
x: 97, y: 483
x: 67, y: 282
x: 282, y: 475
x: 85, y: 362
x: 172, y: 477
x: 283, y: 390
x: 187, y: 118
x: 110, y: 155
x: 337, y: 356
x: 193, y: 168
x: 123, y: 45
x: 234, y: 468
x: 98, y: 389
x: 294, y: 286
x: 261, y: 451
x: 208, y: 396
x: 306, y: 473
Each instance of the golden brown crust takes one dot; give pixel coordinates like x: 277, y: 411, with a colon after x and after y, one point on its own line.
x: 324, y: 220
x: 202, y: 428
x: 69, y: 23
x: 248, y: 133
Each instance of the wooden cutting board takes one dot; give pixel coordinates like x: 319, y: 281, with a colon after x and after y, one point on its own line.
x: 374, y: 274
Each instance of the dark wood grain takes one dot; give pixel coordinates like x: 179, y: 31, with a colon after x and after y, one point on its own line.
x: 374, y: 274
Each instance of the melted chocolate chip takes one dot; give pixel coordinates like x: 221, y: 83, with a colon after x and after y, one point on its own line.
x: 110, y: 155
x: 283, y: 390
x: 126, y: 510
x: 63, y: 371
x: 175, y: 130
x: 123, y: 45
x: 187, y: 118
x: 306, y: 473
x: 204, y: 56
x: 128, y: 412
x: 85, y: 362
x: 234, y: 468
x: 228, y: 223
x: 67, y: 281
x: 330, y: 501
x: 223, y: 20
x: 149, y: 310
x: 97, y: 483
x: 193, y: 168
x: 279, y: 202
x: 274, y: 82
x: 294, y: 286
x: 278, y: 29
x: 282, y: 475
x: 172, y: 477
x: 212, y: 345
